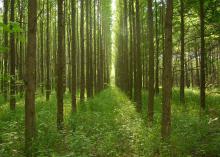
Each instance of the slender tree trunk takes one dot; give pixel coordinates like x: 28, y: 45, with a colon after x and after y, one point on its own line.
x: 21, y: 50
x: 88, y: 50
x: 60, y: 65
x: 125, y: 49
x: 182, y: 83
x: 131, y: 70
x: 42, y: 50
x: 30, y: 80
x: 167, y: 73
x: 74, y: 78
x: 48, y: 86
x: 91, y: 51
x: 82, y: 82
x: 202, y: 61
x: 12, y: 60
x: 157, y: 50
x: 137, y: 95
x: 151, y: 62
x: 5, y: 20
x: 95, y: 50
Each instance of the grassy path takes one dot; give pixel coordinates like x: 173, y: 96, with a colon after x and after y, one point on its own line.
x: 109, y: 125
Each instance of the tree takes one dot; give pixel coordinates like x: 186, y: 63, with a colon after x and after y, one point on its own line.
x: 12, y: 59
x: 30, y: 79
x: 5, y: 21
x: 138, y: 82
x: 74, y: 80
x: 202, y: 54
x: 125, y: 49
x: 91, y: 71
x: 82, y: 82
x: 60, y: 65
x: 151, y: 62
x: 48, y: 88
x: 157, y: 50
x: 41, y: 40
x: 131, y: 71
x: 167, y: 73
x: 182, y: 60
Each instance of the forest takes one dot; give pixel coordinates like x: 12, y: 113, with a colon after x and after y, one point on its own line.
x: 109, y: 78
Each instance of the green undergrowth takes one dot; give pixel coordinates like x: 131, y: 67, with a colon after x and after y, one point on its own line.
x: 194, y: 133
x: 109, y: 126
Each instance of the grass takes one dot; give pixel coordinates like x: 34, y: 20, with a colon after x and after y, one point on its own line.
x: 109, y: 126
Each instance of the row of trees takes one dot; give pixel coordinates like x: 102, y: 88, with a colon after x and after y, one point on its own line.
x: 168, y: 43
x: 63, y: 44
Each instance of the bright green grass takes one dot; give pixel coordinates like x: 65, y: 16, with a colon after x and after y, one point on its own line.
x: 108, y: 125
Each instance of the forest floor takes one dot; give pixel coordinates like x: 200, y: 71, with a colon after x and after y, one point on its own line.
x: 108, y: 125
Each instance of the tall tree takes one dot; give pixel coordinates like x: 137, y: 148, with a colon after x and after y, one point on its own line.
x: 60, y: 64
x: 74, y: 79
x: 42, y: 48
x: 157, y: 49
x: 151, y: 61
x: 48, y: 86
x: 91, y: 51
x: 138, y: 82
x: 12, y: 59
x: 5, y: 20
x: 182, y: 60
x: 167, y: 73
x: 30, y: 79
x: 21, y: 47
x: 88, y: 50
x: 202, y: 55
x: 95, y: 49
x: 82, y: 79
x: 131, y: 71
x: 125, y: 49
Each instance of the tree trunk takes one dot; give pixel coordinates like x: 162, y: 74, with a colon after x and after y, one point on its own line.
x: 5, y: 21
x: 30, y: 80
x: 182, y: 82
x: 137, y: 95
x: 157, y: 50
x: 202, y: 61
x: 48, y: 86
x: 60, y: 65
x: 82, y: 82
x: 131, y: 70
x: 12, y: 60
x: 151, y: 62
x: 74, y: 78
x: 167, y: 73
x: 42, y: 50
x: 91, y: 51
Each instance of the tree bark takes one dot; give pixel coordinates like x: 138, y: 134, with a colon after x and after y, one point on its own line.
x: 82, y: 82
x: 202, y: 54
x: 137, y: 95
x: 167, y: 74
x: 151, y: 62
x: 157, y: 50
x: 48, y: 86
x: 60, y: 65
x: 74, y: 78
x: 5, y: 21
x: 30, y: 80
x: 12, y: 60
x: 182, y: 75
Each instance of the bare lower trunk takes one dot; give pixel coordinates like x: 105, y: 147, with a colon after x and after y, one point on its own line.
x: 30, y: 80
x: 167, y: 73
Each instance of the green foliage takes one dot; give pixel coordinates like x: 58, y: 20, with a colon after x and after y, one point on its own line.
x: 108, y: 125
